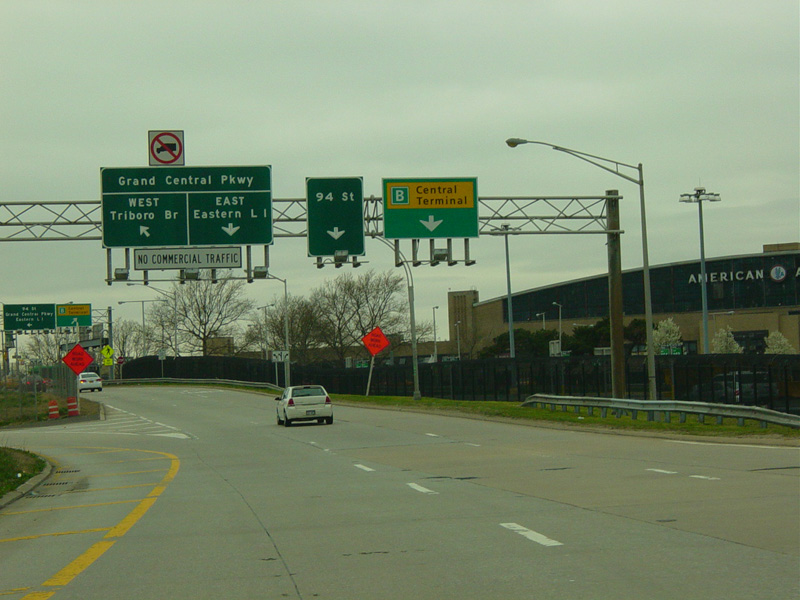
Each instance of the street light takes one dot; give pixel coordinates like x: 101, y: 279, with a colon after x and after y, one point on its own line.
x: 606, y: 164
x: 511, y: 346
x: 541, y: 314
x: 287, y: 356
x: 400, y: 259
x: 174, y: 297
x: 559, y: 326
x: 435, y: 356
x: 143, y: 328
x: 700, y: 195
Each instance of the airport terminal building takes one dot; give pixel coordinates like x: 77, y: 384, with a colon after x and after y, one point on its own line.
x: 753, y: 294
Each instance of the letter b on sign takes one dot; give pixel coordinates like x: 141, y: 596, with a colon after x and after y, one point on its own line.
x: 400, y: 195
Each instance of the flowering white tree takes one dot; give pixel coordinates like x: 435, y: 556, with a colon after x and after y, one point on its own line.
x: 723, y: 343
x: 778, y: 344
x: 666, y: 334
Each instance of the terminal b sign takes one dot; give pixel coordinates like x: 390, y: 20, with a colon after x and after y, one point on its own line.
x: 430, y: 208
x: 152, y: 207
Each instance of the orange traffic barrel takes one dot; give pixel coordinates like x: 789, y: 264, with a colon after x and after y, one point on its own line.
x: 72, y: 407
x: 53, y: 409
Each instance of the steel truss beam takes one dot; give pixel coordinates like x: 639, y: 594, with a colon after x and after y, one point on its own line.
x: 81, y: 220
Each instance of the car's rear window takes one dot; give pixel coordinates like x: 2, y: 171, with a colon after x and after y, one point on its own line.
x: 308, y: 391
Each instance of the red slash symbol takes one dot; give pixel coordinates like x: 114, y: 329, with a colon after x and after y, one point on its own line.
x: 166, y: 143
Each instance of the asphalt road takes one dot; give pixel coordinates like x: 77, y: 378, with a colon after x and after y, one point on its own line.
x: 197, y: 493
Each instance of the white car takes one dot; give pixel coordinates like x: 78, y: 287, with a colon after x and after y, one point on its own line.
x: 304, y: 403
x: 88, y: 382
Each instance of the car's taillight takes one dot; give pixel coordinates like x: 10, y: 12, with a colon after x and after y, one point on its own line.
x: 291, y: 402
x: 327, y: 400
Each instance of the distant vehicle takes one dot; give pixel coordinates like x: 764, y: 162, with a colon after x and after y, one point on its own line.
x: 34, y: 383
x: 89, y: 381
x: 304, y: 403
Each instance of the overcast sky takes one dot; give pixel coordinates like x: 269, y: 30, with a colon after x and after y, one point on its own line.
x: 702, y: 93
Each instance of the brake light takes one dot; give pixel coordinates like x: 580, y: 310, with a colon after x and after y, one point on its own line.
x: 291, y: 402
x: 327, y: 400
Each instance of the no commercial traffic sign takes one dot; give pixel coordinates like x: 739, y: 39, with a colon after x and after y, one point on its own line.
x: 430, y: 208
x: 186, y: 206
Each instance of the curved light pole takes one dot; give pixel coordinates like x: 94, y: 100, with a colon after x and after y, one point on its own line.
x: 287, y: 370
x: 700, y: 195
x: 435, y: 356
x: 174, y: 297
x: 606, y: 164
x: 511, y: 346
x: 142, y: 302
x: 412, y: 318
x: 560, y: 350
x: 541, y: 314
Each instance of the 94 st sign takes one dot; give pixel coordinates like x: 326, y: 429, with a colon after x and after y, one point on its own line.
x: 186, y: 206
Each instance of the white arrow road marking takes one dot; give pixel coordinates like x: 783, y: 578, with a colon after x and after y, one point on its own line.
x: 143, y: 230
x: 430, y: 224
x: 230, y: 229
x: 531, y: 535
x: 419, y: 488
x: 336, y: 233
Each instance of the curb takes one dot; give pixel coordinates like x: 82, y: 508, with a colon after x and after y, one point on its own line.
x: 28, y: 486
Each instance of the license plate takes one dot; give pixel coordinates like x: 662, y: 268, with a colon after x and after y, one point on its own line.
x: 311, y: 412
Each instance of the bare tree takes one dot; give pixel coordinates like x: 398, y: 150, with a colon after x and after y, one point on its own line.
x: 46, y: 348
x: 199, y: 311
x: 348, y: 307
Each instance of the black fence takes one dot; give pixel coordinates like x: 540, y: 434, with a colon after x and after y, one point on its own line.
x: 771, y: 381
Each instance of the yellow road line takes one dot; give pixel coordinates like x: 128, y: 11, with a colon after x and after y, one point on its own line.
x: 73, y: 569
x: 74, y: 506
x: 41, y: 535
x: 80, y: 564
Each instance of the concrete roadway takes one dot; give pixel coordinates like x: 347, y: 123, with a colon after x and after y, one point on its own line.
x: 197, y: 493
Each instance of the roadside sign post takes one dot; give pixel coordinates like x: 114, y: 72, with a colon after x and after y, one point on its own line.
x: 375, y: 341
x: 335, y: 213
x: 430, y: 208
x: 77, y: 360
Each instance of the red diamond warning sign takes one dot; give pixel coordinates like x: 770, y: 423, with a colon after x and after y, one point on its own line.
x: 77, y: 359
x: 375, y: 341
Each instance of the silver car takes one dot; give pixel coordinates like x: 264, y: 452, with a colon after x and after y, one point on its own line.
x: 89, y: 381
x: 304, y: 403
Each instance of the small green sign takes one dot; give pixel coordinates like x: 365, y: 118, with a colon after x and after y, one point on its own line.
x: 29, y: 317
x: 73, y: 315
x: 335, y: 213
x: 430, y: 208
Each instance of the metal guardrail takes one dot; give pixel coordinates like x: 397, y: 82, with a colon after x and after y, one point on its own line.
x: 653, y: 408
x: 231, y: 382
x: 665, y: 408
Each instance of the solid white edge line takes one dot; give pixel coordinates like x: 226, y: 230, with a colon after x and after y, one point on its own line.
x: 531, y: 535
x: 419, y: 488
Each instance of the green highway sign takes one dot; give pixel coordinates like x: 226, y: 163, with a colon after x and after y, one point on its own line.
x: 430, y: 208
x: 150, y: 207
x: 335, y: 213
x: 29, y: 317
x: 71, y: 315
